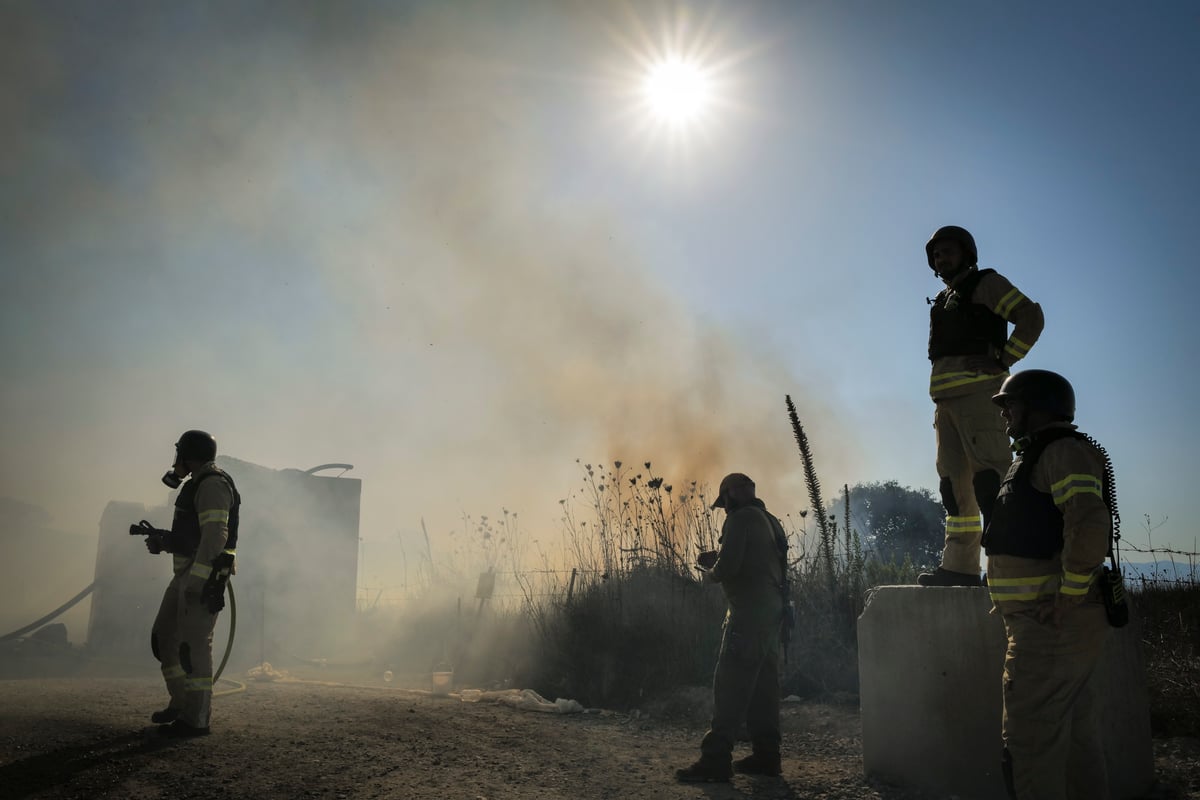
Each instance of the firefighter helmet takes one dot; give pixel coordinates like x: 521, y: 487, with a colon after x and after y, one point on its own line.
x: 960, y: 235
x: 197, y: 446
x: 1040, y: 389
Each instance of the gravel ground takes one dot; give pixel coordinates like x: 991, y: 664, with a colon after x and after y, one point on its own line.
x: 89, y: 738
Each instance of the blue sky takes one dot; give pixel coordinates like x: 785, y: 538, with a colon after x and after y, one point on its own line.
x: 441, y: 242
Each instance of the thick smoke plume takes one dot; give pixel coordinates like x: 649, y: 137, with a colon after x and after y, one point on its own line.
x: 361, y: 237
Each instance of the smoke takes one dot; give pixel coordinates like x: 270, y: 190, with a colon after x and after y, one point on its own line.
x: 372, y: 237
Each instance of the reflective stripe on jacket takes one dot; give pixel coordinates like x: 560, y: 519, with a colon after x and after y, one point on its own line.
x: 995, y: 297
x: 206, y: 521
x: 1065, y: 479
x: 189, y: 520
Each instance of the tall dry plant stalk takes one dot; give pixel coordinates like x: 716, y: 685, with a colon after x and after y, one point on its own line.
x: 826, y: 531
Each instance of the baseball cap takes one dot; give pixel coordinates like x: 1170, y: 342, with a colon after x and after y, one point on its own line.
x: 728, y: 482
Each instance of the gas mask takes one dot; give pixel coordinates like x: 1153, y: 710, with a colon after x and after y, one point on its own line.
x: 172, y: 478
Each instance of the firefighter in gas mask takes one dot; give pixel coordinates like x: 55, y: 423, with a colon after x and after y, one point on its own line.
x: 202, y: 542
x: 971, y: 350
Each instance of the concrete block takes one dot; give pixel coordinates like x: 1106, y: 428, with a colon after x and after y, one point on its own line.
x: 930, y: 663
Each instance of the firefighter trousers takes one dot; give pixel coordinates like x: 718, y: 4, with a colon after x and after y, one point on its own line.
x: 1051, y: 724
x: 182, y: 642
x: 745, y: 689
x: 973, y: 453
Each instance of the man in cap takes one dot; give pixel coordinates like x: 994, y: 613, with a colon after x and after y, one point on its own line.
x: 751, y: 566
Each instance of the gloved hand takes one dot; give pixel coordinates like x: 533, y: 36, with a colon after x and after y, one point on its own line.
x: 156, y: 538
x: 213, y: 600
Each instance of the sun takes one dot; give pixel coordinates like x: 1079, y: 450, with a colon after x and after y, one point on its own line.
x: 679, y: 80
x: 677, y: 92
x: 680, y: 77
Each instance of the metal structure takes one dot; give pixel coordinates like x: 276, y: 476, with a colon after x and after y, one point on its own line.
x: 297, y: 567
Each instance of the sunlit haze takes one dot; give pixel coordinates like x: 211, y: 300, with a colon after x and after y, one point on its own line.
x: 460, y: 246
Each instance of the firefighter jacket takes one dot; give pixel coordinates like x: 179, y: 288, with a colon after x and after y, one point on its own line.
x: 970, y: 318
x: 205, y: 523
x: 1050, y: 528
x: 749, y: 566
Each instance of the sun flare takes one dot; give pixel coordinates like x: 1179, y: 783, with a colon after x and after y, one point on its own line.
x: 677, y: 92
x: 680, y: 79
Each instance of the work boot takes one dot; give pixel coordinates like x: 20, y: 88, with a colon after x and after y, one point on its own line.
x: 758, y: 764
x: 165, y: 717
x: 181, y: 730
x: 705, y: 771
x: 946, y: 577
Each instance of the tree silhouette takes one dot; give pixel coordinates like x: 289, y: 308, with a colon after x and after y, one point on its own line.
x: 897, y: 521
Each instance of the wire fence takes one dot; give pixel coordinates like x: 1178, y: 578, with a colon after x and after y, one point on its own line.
x: 1160, y: 567
x: 487, y: 585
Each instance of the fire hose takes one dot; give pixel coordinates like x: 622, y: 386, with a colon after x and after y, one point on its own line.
x: 39, y: 623
x: 19, y: 632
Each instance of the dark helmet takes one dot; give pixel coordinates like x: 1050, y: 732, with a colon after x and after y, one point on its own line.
x: 960, y: 235
x: 196, y: 446
x: 1040, y: 389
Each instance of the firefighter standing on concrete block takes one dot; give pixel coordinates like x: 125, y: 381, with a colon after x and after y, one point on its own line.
x: 1046, y: 544
x: 971, y: 351
x: 751, y: 567
x: 202, y: 542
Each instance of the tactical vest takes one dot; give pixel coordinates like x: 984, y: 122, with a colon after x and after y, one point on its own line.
x: 958, y: 327
x: 186, y: 524
x: 1025, y: 522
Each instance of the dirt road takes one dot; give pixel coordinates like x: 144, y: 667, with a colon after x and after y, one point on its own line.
x: 89, y: 738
